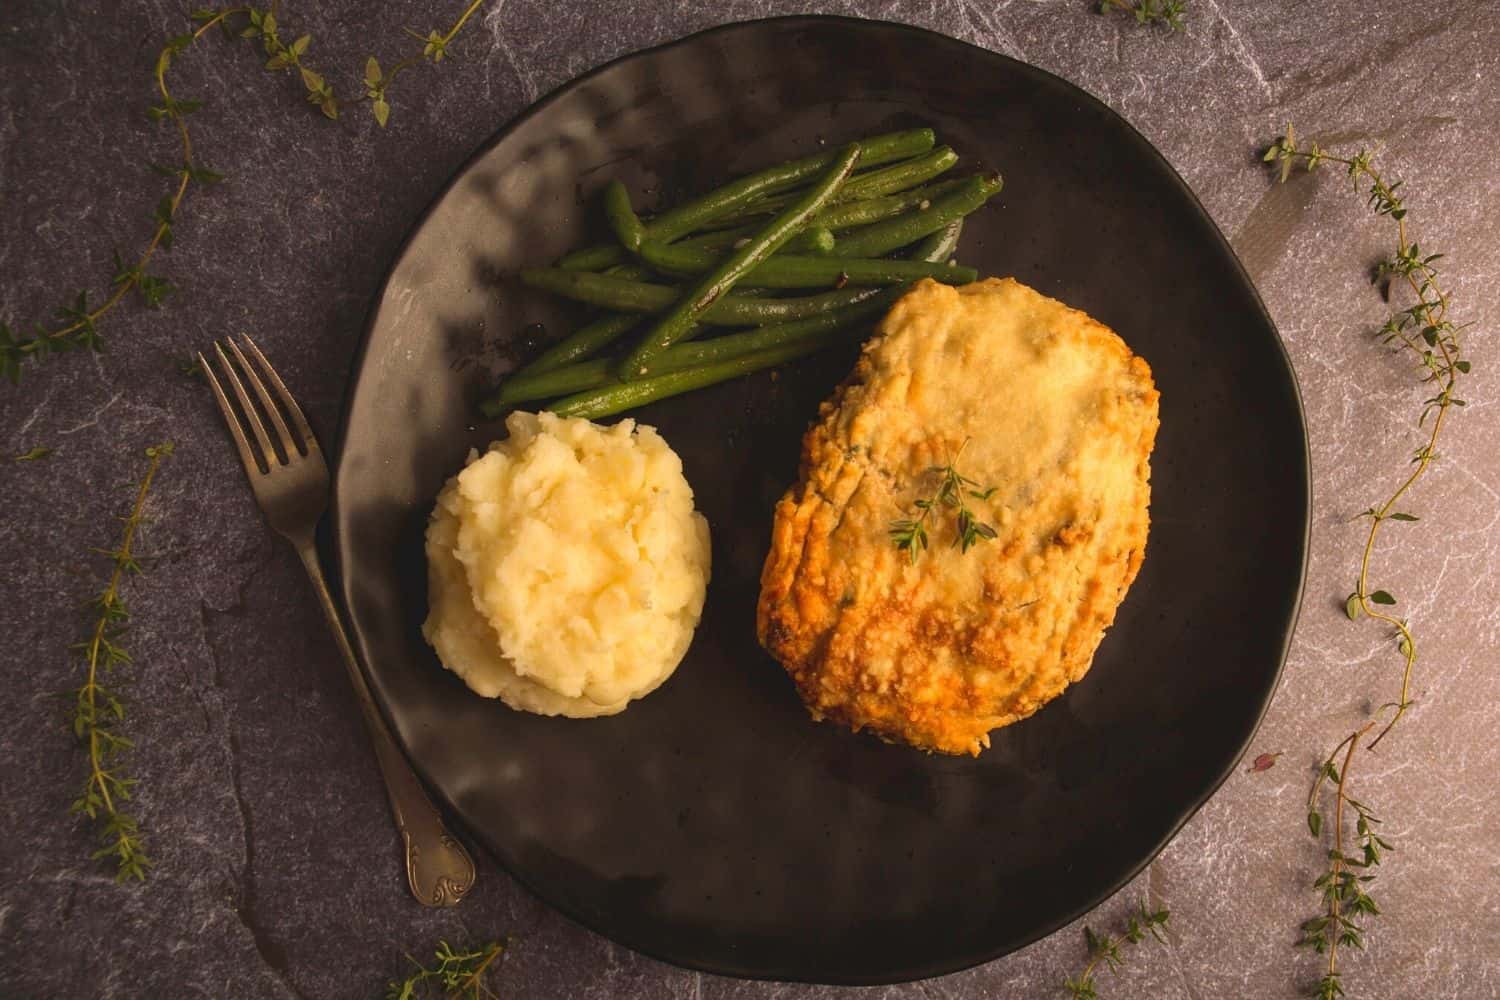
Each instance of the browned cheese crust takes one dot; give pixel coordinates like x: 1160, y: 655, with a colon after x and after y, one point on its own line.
x: 1060, y: 416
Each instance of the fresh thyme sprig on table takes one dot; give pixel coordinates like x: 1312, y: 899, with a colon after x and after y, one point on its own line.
x: 1424, y: 331
x: 1109, y: 951
x: 280, y: 56
x: 1343, y: 884
x: 1168, y: 12
x: 97, y: 709
x: 458, y: 974
x: 77, y: 327
x: 434, y: 48
x: 910, y: 534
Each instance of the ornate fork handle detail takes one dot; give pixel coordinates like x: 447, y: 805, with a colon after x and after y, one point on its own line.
x: 438, y: 868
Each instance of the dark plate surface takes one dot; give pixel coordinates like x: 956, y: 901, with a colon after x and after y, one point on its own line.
x: 712, y: 824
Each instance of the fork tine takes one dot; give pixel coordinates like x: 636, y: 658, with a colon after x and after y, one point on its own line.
x: 298, y: 420
x: 247, y: 454
x: 288, y: 443
x: 248, y: 408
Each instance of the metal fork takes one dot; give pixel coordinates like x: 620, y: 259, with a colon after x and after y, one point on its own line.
x: 290, y: 480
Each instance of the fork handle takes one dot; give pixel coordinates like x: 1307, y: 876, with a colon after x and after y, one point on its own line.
x: 438, y: 869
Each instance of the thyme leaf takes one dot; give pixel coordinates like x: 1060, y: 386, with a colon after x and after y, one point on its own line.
x: 457, y: 975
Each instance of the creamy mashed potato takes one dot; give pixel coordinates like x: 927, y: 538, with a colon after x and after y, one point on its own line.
x: 566, y: 566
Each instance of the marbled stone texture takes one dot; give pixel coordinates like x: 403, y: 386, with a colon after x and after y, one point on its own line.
x: 276, y: 868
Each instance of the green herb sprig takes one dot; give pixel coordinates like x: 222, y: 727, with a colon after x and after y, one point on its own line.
x: 954, y: 490
x: 36, y: 454
x: 98, y: 710
x: 1423, y: 332
x: 1166, y: 12
x: 77, y: 325
x: 1343, y: 884
x: 279, y: 55
x: 434, y: 48
x: 1110, y: 951
x: 458, y: 975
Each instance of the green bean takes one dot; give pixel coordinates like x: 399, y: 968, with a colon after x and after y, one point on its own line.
x: 629, y: 272
x: 790, y: 271
x: 620, y: 396
x: 718, y: 239
x: 937, y: 248
x: 622, y: 218
x: 525, y: 386
x: 883, y: 237
x: 734, y: 266
x: 898, y: 176
x: 868, y: 210
x: 893, y: 180
x: 641, y: 297
x: 519, y: 388
x: 844, y: 216
x: 582, y: 343
x: 813, y: 239
x: 941, y: 245
x: 684, y: 219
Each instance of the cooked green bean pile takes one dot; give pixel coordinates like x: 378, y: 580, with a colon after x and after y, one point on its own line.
x: 841, y: 234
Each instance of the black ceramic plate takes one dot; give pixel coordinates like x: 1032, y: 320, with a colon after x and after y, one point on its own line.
x: 713, y: 824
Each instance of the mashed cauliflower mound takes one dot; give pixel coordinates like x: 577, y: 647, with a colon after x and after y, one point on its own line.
x: 566, y: 566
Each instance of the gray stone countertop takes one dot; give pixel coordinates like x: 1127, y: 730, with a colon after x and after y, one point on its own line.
x: 275, y: 868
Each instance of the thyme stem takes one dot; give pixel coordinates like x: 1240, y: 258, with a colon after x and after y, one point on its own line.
x: 96, y: 708
x: 1337, y: 864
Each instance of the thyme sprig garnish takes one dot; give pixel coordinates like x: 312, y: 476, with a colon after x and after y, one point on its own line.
x: 1423, y: 331
x: 458, y: 974
x: 954, y: 490
x: 35, y: 454
x: 1109, y: 951
x: 77, y: 325
x: 1166, y: 12
x: 97, y: 710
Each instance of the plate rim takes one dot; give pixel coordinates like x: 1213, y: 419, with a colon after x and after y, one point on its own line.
x: 340, y: 546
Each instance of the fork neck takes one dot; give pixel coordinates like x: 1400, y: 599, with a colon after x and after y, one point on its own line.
x: 305, y: 541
